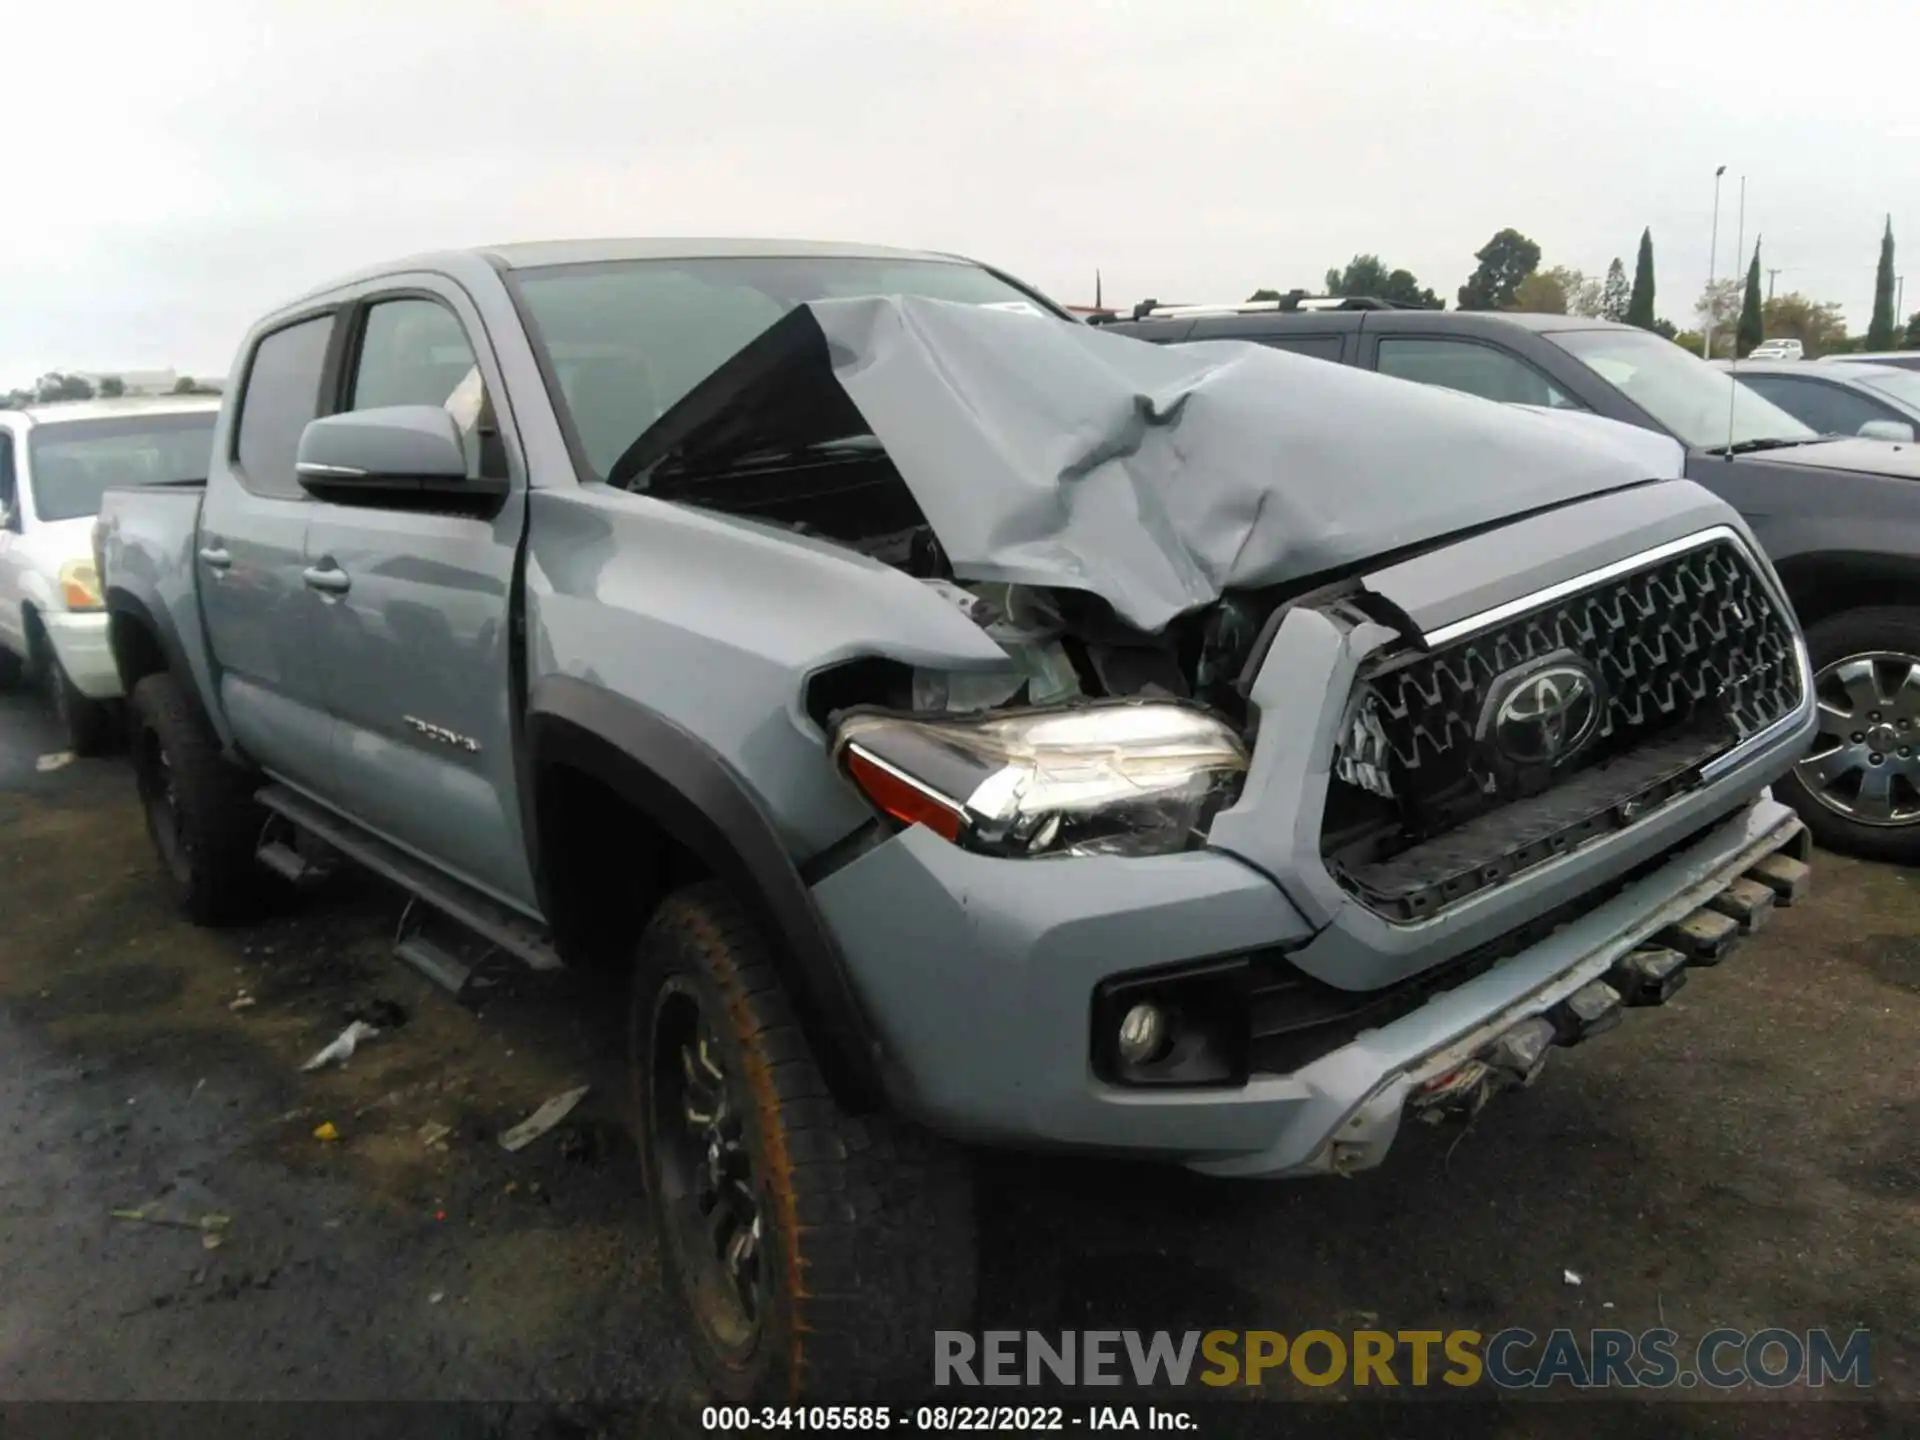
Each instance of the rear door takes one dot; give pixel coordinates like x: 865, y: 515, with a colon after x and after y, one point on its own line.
x: 250, y: 553
x: 413, y: 631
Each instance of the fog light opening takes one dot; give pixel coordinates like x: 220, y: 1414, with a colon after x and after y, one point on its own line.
x: 1143, y: 1034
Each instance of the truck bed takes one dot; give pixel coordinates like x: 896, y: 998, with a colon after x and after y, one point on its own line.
x: 143, y: 548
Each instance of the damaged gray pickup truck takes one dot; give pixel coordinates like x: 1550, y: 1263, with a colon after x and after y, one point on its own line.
x: 965, y: 727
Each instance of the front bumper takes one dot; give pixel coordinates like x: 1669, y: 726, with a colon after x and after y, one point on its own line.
x: 79, y: 640
x: 978, y: 975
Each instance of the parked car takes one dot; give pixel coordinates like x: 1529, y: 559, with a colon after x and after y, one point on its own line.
x: 1877, y: 401
x: 1839, y: 517
x: 1898, y: 359
x: 55, y: 460
x: 954, y: 747
x: 1778, y: 350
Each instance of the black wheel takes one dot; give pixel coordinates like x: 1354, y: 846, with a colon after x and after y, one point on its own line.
x: 200, y: 810
x: 811, y: 1252
x: 1858, y: 787
x: 90, y: 726
x: 13, y: 670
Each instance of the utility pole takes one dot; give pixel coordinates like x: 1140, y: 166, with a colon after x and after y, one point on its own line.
x: 1713, y: 244
x: 1772, y: 270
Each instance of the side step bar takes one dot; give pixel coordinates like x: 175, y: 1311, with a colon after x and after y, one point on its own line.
x: 482, y: 914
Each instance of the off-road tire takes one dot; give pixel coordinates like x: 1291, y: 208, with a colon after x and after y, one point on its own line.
x: 1888, y: 629
x: 216, y: 821
x: 873, y: 1246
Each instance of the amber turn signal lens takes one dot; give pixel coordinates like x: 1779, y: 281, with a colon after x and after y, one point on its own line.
x: 902, y: 798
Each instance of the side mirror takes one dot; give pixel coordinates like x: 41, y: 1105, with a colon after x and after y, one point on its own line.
x: 395, y: 455
x: 1888, y: 430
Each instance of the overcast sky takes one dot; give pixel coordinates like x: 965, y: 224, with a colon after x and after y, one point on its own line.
x: 178, y: 166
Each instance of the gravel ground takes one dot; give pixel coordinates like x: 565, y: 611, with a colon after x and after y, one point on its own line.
x: 1748, y: 1156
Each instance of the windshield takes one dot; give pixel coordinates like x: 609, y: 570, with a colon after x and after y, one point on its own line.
x: 1681, y: 391
x: 626, y: 340
x: 1900, y: 385
x: 74, y: 461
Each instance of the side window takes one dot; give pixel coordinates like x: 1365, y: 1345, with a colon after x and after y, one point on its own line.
x: 414, y: 352
x: 1827, y: 408
x: 1475, y: 369
x: 281, y: 398
x: 1315, y: 347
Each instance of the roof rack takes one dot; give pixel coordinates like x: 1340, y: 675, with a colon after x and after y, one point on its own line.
x: 1293, y: 300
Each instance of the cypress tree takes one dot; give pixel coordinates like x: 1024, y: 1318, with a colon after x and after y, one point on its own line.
x: 1640, y: 302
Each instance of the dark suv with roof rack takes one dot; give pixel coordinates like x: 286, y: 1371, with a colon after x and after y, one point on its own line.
x: 1839, y: 516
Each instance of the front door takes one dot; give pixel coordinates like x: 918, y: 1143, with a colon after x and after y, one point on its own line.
x: 412, y: 633
x: 248, y: 559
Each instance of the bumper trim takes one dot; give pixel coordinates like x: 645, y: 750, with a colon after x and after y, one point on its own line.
x: 1360, y: 1134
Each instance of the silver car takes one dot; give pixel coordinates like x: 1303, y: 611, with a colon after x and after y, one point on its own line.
x: 1839, y: 397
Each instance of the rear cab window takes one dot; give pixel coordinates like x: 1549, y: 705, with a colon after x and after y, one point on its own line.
x: 72, y: 463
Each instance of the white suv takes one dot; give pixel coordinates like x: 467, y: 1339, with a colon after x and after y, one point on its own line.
x: 1778, y: 350
x: 55, y: 460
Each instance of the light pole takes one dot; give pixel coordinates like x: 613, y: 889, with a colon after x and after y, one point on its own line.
x: 1713, y: 245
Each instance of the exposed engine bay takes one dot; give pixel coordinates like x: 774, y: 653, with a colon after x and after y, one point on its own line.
x: 1062, y: 645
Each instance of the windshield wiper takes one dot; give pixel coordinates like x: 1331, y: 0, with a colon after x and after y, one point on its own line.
x: 1766, y: 442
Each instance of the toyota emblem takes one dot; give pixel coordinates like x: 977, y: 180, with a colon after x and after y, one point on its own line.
x: 1547, y: 715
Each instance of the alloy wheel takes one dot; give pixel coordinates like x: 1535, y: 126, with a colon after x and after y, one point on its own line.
x: 709, y: 1188
x: 1864, y: 762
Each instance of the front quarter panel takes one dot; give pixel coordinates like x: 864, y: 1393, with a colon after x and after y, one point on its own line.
x: 716, y: 625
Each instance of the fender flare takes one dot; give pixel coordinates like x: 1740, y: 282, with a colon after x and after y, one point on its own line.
x: 686, y: 788
x: 124, y: 606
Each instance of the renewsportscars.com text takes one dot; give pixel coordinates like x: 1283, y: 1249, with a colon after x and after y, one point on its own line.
x: 1510, y: 1359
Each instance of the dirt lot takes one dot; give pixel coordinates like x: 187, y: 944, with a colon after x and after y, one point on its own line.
x: 1749, y: 1156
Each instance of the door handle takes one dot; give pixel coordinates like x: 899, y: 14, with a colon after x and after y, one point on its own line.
x: 328, y: 578
x: 216, y: 556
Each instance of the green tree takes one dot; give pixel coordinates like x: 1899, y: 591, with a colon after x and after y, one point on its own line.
x: 1718, y: 309
x: 54, y: 386
x: 185, y: 386
x: 1664, y: 329
x: 1367, y: 275
x: 112, y: 387
x: 1818, y: 327
x: 1640, y: 300
x: 1880, y: 328
x: 1615, y: 295
x: 1752, y: 327
x: 1544, y: 292
x: 1505, y: 260
x: 1912, y: 342
x: 1263, y: 296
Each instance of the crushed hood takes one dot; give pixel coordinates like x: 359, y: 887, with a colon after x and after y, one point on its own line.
x: 1048, y: 453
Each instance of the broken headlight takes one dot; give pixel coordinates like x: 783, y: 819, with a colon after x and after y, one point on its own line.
x: 1125, y: 778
